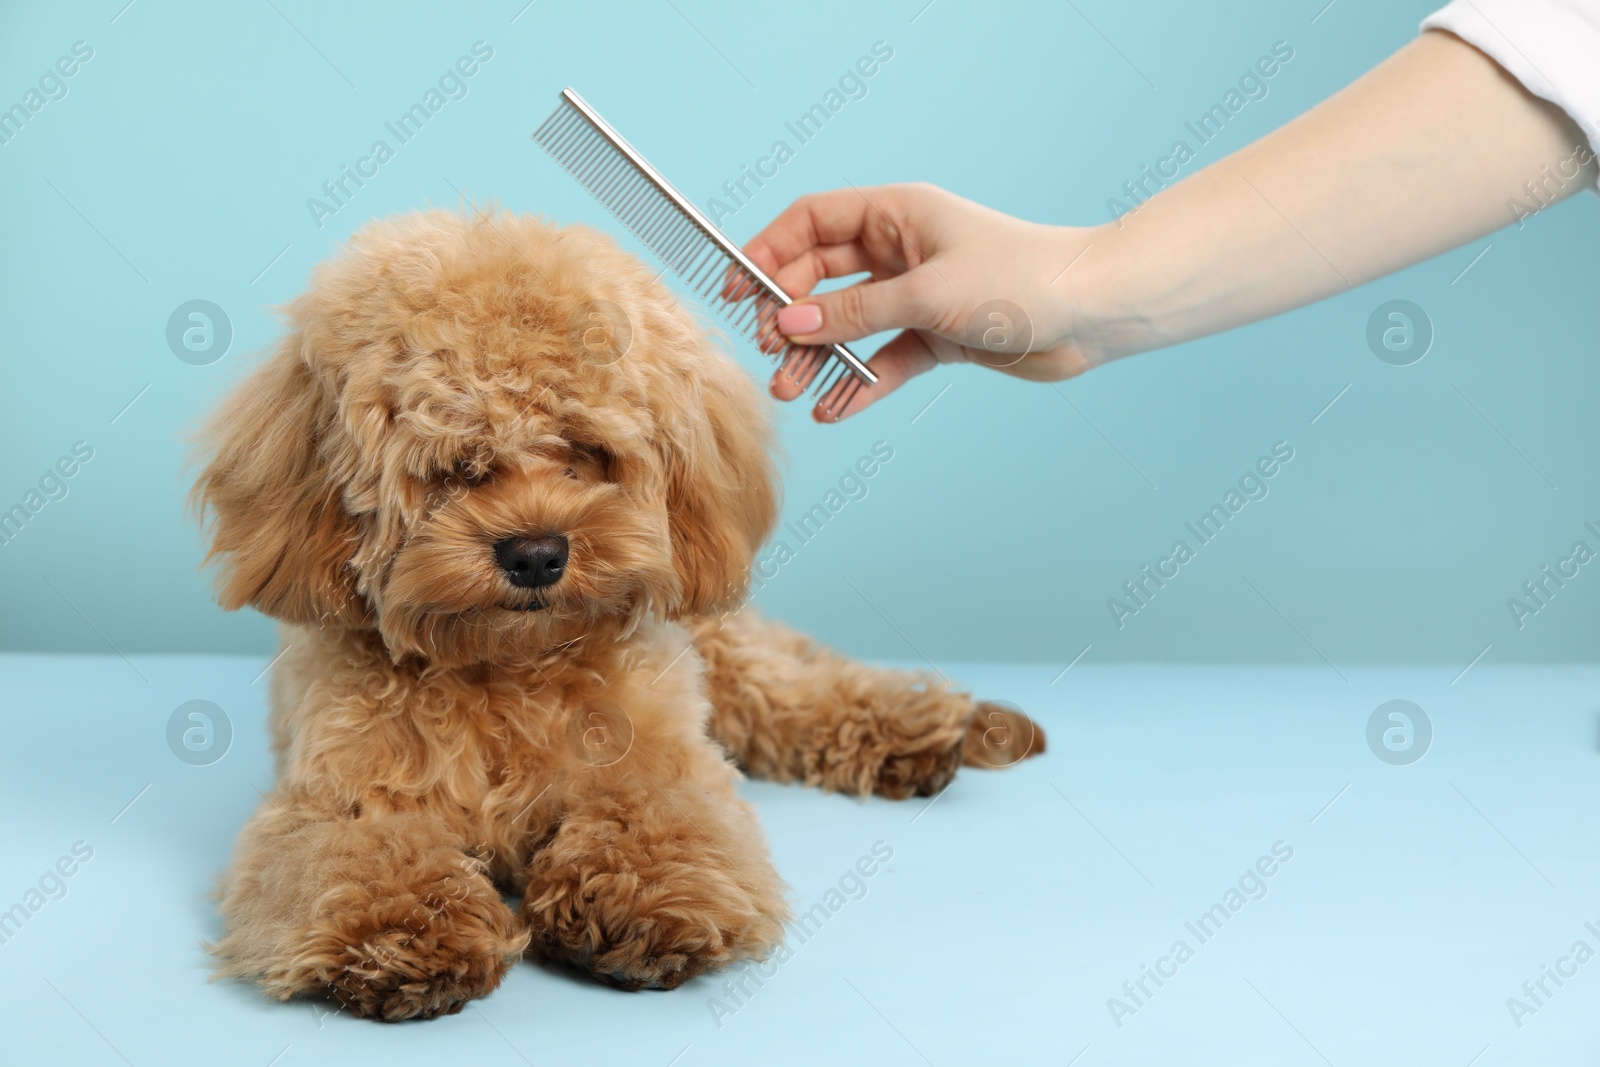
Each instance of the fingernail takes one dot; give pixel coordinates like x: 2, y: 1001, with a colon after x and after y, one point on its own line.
x: 799, y: 319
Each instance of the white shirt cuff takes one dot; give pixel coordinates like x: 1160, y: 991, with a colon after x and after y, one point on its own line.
x: 1551, y: 46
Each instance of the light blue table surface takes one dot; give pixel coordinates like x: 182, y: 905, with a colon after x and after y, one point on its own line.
x: 1418, y: 900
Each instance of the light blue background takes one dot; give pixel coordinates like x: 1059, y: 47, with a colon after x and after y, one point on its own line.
x: 182, y: 158
x: 1418, y: 901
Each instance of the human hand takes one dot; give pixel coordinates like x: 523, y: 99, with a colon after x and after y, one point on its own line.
x: 1210, y: 252
x: 963, y: 283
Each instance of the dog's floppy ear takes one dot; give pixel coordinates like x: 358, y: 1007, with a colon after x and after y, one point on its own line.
x: 279, y: 531
x: 721, y: 491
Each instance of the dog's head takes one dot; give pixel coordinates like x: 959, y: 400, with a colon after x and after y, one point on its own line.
x: 485, y: 436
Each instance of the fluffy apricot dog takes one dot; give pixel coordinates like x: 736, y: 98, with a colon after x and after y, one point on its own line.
x: 508, y: 552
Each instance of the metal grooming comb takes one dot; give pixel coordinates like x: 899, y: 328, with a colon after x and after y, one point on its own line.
x: 691, y: 246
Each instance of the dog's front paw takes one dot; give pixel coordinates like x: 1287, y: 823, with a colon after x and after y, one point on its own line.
x: 649, y: 910
x: 997, y: 735
x: 1000, y: 735
x: 919, y: 774
x: 416, y: 958
x: 649, y: 951
x: 632, y: 935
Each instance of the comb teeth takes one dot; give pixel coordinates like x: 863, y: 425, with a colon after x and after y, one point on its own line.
x: 692, y: 247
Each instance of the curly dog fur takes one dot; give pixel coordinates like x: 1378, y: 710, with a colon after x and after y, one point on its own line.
x: 443, y: 735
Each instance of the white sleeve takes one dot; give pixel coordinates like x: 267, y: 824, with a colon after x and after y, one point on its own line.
x: 1551, y: 46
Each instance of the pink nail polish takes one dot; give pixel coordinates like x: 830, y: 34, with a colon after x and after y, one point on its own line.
x: 799, y: 319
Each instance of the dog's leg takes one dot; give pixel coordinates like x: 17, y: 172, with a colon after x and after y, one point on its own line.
x: 786, y: 708
x: 657, y: 870
x: 386, y: 913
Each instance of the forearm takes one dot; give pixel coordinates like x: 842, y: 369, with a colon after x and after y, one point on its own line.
x: 1422, y: 154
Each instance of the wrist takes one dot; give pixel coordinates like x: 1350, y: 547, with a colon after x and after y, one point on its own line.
x: 1194, y: 259
x: 1102, y: 300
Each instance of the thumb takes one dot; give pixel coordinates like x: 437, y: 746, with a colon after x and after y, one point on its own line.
x: 858, y: 311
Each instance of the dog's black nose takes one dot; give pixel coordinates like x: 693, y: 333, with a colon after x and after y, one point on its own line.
x: 532, y: 562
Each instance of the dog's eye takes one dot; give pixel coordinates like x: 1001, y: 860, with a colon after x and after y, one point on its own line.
x: 467, y: 474
x: 588, y: 462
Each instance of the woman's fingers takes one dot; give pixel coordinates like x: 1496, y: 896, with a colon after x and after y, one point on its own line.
x: 811, y: 226
x: 837, y: 217
x: 784, y: 386
x: 826, y: 236
x: 799, y: 276
x: 895, y: 363
x: 798, y: 279
x: 860, y: 310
